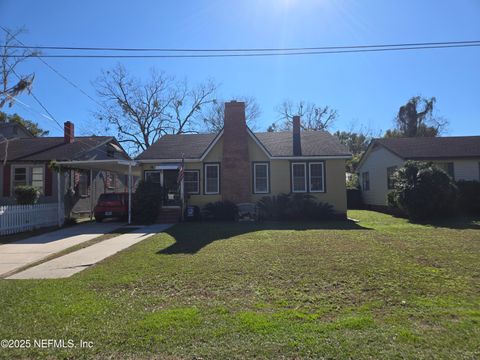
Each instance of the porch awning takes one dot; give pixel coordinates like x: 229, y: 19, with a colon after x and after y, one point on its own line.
x: 167, y: 166
x: 114, y: 165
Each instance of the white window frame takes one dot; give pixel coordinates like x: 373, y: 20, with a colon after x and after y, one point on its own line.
x: 310, y: 176
x: 12, y: 181
x: 28, y: 176
x: 364, y: 182
x: 205, y: 166
x: 197, y: 182
x: 267, y: 165
x: 292, y: 177
x: 42, y: 187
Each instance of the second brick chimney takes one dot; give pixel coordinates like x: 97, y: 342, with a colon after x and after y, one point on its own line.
x: 297, y: 143
x: 68, y: 132
x: 236, y: 159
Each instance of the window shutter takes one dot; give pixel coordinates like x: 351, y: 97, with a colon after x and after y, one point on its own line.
x: 6, y: 180
x: 48, y: 181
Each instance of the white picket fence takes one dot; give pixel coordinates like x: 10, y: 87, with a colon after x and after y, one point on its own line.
x: 18, y: 218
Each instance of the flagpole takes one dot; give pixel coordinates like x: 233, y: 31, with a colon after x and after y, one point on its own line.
x: 182, y: 192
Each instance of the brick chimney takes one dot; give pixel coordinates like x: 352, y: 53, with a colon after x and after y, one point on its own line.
x: 68, y: 132
x: 236, y: 159
x: 297, y: 144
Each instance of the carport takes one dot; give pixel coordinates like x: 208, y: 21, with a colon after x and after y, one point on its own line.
x: 124, y: 167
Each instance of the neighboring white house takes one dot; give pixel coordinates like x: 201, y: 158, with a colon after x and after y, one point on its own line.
x: 459, y: 156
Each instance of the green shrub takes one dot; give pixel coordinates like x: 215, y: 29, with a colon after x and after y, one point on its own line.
x: 26, y: 195
x: 353, y: 182
x: 274, y: 207
x: 146, y: 202
x: 221, y: 211
x: 423, y: 191
x: 469, y: 196
x: 294, y: 207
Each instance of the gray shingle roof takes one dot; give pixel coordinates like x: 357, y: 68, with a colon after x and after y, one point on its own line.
x: 192, y: 146
x: 50, y: 148
x: 433, y: 147
x: 277, y: 144
x: 314, y: 143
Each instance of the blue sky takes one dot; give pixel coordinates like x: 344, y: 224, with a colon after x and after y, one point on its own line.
x: 367, y: 89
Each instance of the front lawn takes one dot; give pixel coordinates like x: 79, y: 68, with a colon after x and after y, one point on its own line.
x: 379, y: 288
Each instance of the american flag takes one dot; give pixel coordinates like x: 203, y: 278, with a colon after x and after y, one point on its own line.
x: 181, y: 171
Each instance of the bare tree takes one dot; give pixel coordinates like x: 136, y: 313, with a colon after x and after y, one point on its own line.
x: 415, y: 118
x: 143, y: 111
x: 213, y: 116
x: 314, y: 117
x: 12, y: 83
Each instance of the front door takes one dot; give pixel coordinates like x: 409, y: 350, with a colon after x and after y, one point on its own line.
x: 171, y: 188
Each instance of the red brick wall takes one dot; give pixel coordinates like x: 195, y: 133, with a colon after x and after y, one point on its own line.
x: 235, y: 180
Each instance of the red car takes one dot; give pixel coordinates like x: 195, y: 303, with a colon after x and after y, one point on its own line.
x: 111, y: 205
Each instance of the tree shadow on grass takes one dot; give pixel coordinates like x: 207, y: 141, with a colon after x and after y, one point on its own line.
x: 460, y: 223
x: 192, y: 237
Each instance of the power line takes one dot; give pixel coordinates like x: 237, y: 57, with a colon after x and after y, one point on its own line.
x: 51, y: 68
x: 162, y: 56
x: 347, y: 47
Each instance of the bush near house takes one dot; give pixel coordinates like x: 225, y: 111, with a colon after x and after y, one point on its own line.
x: 220, y: 211
x: 293, y: 207
x: 26, y: 195
x: 146, y: 202
x: 423, y: 191
x: 469, y: 196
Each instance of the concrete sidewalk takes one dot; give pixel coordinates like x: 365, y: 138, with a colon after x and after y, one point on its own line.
x: 69, y: 264
x: 21, y: 253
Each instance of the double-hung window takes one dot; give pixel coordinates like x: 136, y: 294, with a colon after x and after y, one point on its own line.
x: 191, y: 182
x: 19, y: 176
x: 390, y: 181
x: 212, y: 179
x: 37, y: 178
x: 260, y: 178
x: 299, y: 177
x: 365, y: 181
x: 317, y: 176
x: 28, y: 175
x: 448, y: 167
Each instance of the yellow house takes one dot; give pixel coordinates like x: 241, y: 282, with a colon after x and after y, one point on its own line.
x: 241, y: 166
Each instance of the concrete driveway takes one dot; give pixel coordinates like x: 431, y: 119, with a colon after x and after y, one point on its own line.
x: 21, y: 253
x: 74, y: 262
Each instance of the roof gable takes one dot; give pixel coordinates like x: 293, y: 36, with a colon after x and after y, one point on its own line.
x: 273, y: 144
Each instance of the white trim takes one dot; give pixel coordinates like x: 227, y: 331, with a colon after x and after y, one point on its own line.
x: 310, y: 176
x: 167, y: 167
x: 205, y: 179
x: 255, y: 177
x: 311, y: 157
x: 28, y: 175
x: 197, y: 182
x: 210, y: 147
x: 156, y: 161
x: 293, y: 183
x: 93, y: 162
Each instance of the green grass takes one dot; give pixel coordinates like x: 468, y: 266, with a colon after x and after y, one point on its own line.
x: 379, y: 288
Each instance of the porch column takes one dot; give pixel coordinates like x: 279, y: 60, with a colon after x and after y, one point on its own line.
x: 129, y: 194
x: 91, y: 195
x: 59, y: 199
